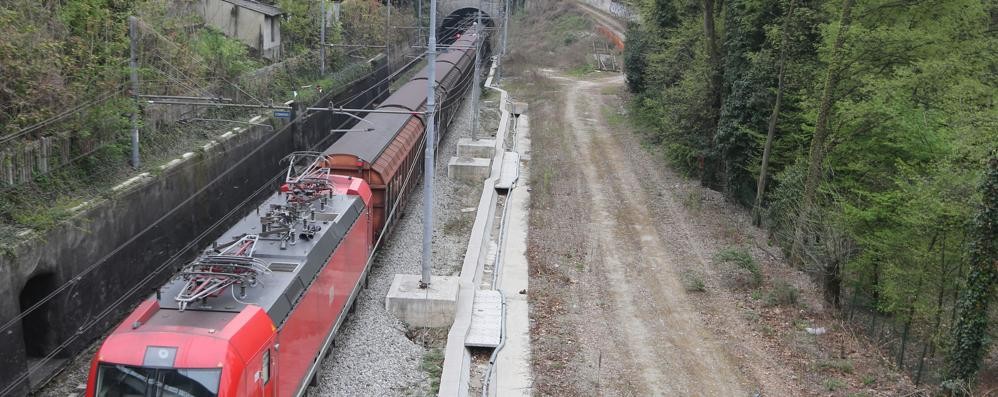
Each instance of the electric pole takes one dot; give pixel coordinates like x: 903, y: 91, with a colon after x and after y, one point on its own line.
x: 502, y: 45
x: 477, y: 89
x: 431, y: 60
x: 388, y: 39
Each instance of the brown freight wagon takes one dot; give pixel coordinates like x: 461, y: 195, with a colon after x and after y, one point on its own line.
x: 389, y: 155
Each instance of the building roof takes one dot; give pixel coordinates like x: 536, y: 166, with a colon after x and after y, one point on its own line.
x: 265, y: 9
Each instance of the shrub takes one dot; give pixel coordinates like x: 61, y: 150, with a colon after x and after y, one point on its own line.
x: 833, y: 384
x: 843, y: 365
x: 781, y: 294
x: 693, y: 281
x: 746, y: 273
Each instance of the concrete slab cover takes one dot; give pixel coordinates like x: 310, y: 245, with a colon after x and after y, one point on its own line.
x: 432, y: 307
x: 486, y: 320
x: 510, y: 170
x: 517, y: 107
x: 512, y: 370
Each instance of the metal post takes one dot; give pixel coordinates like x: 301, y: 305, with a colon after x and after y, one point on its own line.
x: 505, y: 28
x: 133, y: 35
x: 388, y: 40
x: 322, y: 38
x: 431, y: 77
x: 476, y: 92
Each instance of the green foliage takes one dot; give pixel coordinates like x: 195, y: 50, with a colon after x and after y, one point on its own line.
x: 581, y: 70
x: 226, y: 55
x: 747, y: 100
x: 913, y: 119
x: 869, y: 379
x: 433, y: 366
x: 363, y: 22
x: 741, y: 258
x: 970, y: 334
x: 635, y: 47
x: 833, y: 384
x: 54, y: 56
x: 841, y: 365
x: 672, y: 103
x: 693, y: 281
x: 569, y: 25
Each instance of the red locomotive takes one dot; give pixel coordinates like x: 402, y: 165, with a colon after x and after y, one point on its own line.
x: 255, y: 314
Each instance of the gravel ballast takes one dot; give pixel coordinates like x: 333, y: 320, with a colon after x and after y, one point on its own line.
x: 372, y: 353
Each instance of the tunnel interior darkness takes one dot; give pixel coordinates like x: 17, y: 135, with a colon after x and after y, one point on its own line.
x: 458, y: 21
x: 37, y: 326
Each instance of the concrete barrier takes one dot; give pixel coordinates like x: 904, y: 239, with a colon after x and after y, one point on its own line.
x: 482, y: 148
x: 456, y: 373
x: 468, y: 169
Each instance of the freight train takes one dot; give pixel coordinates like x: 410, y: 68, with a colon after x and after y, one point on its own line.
x: 255, y: 314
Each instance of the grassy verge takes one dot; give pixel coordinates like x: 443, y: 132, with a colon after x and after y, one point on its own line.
x: 433, y: 367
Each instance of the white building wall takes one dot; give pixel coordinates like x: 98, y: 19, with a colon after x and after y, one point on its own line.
x: 249, y: 27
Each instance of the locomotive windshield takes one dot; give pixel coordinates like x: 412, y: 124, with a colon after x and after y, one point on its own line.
x: 129, y: 381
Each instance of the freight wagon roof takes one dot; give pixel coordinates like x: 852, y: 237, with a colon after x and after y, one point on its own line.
x: 410, y: 96
x: 368, y: 145
x: 291, y: 269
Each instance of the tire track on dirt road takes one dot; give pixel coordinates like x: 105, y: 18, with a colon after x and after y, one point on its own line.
x: 667, y: 351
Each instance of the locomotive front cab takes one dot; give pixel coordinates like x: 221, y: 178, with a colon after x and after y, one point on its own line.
x: 114, y: 380
x: 172, y: 353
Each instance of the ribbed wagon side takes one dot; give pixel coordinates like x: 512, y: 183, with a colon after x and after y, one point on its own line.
x: 390, y: 154
x: 383, y: 158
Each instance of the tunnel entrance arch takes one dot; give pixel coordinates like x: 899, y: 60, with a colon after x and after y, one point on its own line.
x: 39, y: 327
x: 460, y: 20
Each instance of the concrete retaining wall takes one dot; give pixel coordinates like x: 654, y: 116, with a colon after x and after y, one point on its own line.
x: 615, y: 8
x: 112, y: 253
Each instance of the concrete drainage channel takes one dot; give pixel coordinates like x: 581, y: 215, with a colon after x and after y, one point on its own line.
x: 487, y: 350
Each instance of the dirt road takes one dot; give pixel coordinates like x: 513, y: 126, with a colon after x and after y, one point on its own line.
x: 628, y: 309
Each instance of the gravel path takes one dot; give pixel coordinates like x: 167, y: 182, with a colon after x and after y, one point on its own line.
x: 373, y: 355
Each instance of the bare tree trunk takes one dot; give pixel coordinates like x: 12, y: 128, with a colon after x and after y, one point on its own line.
x: 908, y: 321
x: 760, y: 189
x: 817, y: 155
x: 937, y: 318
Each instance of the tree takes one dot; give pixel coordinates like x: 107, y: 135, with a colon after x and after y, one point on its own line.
x: 773, y: 117
x: 747, y: 78
x: 708, y: 156
x: 970, y: 332
x: 817, y: 153
x: 635, y: 48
